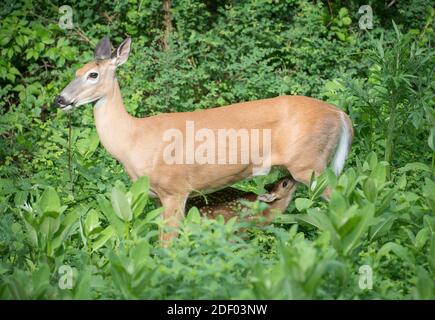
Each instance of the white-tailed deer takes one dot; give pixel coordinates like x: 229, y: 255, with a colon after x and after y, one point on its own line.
x: 299, y: 133
x: 230, y: 202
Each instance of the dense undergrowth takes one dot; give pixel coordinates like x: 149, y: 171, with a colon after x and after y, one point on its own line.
x: 72, y: 225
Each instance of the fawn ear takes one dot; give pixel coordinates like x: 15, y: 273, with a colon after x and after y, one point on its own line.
x: 103, y: 49
x: 267, y: 197
x: 122, y: 52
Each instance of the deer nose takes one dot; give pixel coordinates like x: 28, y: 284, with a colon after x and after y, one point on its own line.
x: 60, y: 101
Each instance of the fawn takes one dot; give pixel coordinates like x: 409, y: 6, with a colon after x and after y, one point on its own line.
x: 230, y: 202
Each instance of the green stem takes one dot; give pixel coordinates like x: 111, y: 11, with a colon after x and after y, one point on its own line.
x: 433, y: 164
x: 127, y: 230
x: 390, y: 139
x: 70, y: 153
x: 48, y: 248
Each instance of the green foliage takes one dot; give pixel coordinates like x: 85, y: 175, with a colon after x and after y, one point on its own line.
x: 65, y: 204
x: 393, y: 101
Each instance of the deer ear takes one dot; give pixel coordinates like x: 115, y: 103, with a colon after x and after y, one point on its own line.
x: 103, y: 49
x: 267, y: 197
x: 122, y: 52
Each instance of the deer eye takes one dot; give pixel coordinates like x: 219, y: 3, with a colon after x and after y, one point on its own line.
x: 284, y: 184
x: 93, y: 75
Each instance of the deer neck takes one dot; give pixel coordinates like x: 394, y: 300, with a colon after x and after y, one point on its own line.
x: 114, y: 125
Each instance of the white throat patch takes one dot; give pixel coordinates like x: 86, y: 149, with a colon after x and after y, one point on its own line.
x: 100, y: 103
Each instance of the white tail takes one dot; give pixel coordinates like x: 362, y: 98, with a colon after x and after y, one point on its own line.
x: 202, y: 150
x: 343, y: 146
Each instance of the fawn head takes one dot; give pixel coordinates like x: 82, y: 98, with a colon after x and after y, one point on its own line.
x: 283, y: 189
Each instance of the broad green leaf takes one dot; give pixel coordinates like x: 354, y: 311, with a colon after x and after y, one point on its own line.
x: 107, y: 209
x: 429, y: 222
x: 425, y: 288
x: 120, y: 205
x: 431, y: 256
x: 397, y: 249
x: 346, y: 21
x: 351, y: 218
x: 309, y: 219
x: 50, y: 202
x: 20, y: 198
x: 382, y: 228
x: 429, y: 193
x: 229, y: 225
x: 140, y: 225
x: 150, y: 216
x: 379, y: 174
x: 49, y: 226
x: 415, y: 166
x: 139, y: 204
x: 431, y: 139
x: 401, y: 183
x: 140, y: 252
x: 337, y: 208
x: 40, y: 281
x: 353, y: 182
x: 88, y: 145
x: 331, y: 177
x: 370, y: 190
x: 352, y: 240
x: 386, y: 201
x: 422, y: 237
x: 321, y: 221
x: 303, y: 204
x: 92, y: 143
x: 92, y: 222
x: 319, y: 184
x: 193, y: 216
x: 70, y: 225
x: 286, y: 218
x: 343, y: 12
x: 31, y: 228
x: 140, y: 186
x: 4, y: 40
x: 372, y: 160
x: 104, y: 236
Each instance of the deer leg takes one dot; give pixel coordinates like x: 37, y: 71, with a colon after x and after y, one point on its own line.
x: 172, y: 216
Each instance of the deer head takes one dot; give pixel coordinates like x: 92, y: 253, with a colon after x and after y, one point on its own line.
x: 283, y: 190
x: 96, y: 78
